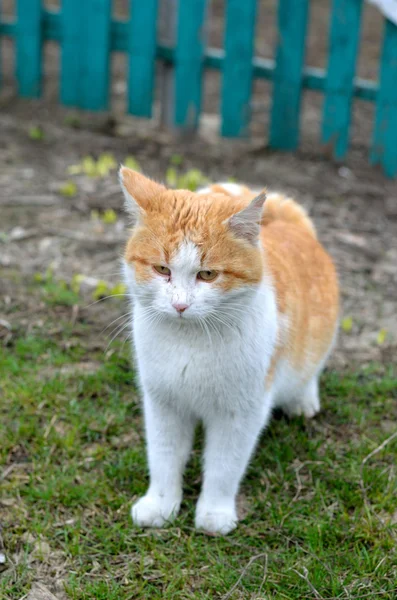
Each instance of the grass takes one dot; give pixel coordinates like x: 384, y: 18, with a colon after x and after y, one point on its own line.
x: 317, y: 514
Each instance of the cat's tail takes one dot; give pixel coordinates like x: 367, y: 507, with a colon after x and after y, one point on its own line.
x: 281, y: 208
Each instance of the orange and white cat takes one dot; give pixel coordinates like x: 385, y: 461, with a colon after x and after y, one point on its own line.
x: 235, y: 308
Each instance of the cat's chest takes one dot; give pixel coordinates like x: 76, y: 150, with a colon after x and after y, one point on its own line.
x: 191, y: 368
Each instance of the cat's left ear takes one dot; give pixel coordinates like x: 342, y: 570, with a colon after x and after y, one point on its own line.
x: 139, y: 191
x: 246, y: 224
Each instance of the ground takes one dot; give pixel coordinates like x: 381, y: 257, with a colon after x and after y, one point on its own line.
x: 318, y: 504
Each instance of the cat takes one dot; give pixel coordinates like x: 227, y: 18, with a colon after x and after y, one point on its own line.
x: 235, y: 310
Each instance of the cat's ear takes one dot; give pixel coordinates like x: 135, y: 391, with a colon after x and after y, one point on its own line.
x: 246, y: 223
x: 138, y: 191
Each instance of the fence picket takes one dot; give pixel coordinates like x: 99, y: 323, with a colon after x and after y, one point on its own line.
x: 189, y: 60
x: 0, y: 49
x: 70, y: 53
x: 142, y: 53
x: 238, y: 67
x: 384, y: 142
x: 287, y: 91
x: 29, y: 48
x: 344, y: 44
x: 86, y: 53
x: 96, y: 55
x: 88, y: 35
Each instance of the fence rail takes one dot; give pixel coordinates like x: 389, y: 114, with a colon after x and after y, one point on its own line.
x: 88, y: 35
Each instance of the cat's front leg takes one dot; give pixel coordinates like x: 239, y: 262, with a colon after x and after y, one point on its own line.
x: 169, y: 437
x: 230, y: 441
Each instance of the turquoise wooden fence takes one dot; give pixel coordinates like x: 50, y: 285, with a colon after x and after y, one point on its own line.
x: 88, y: 34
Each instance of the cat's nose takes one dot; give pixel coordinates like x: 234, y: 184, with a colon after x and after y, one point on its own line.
x: 179, y: 307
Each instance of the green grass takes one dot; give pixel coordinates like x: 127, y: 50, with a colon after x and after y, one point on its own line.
x: 317, y: 515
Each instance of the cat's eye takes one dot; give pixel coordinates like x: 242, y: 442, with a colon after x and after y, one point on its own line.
x: 207, y: 275
x: 162, y: 270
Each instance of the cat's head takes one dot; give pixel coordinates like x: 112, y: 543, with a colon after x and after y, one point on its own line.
x: 189, y: 254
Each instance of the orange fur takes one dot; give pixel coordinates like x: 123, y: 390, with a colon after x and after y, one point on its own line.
x: 302, y: 273
x: 170, y: 216
x: 307, y: 292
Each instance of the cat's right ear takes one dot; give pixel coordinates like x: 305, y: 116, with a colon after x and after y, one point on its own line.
x: 139, y: 191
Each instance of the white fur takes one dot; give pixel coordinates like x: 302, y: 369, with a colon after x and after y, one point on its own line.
x: 208, y: 364
x: 233, y: 188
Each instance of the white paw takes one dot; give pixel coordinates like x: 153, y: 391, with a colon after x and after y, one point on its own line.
x: 311, y: 408
x: 216, y: 520
x: 308, y: 406
x: 154, y: 511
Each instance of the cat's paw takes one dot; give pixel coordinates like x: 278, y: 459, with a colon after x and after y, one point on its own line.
x: 216, y: 520
x: 308, y: 404
x: 154, y: 511
x: 308, y: 407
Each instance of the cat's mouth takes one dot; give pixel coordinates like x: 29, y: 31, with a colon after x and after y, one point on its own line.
x: 182, y: 316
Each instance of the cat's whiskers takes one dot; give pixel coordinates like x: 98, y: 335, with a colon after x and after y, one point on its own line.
x: 224, y: 322
x: 107, y: 298
x: 236, y: 314
x: 212, y: 323
x: 220, y: 319
x: 127, y: 318
x: 120, y: 329
x: 150, y: 316
x: 204, y: 327
x: 242, y: 307
x: 126, y: 339
x: 115, y: 321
